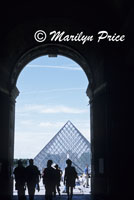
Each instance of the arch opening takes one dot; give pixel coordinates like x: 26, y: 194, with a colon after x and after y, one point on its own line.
x: 64, y: 68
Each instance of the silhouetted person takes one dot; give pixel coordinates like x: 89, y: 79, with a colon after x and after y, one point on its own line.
x: 32, y: 178
x: 49, y: 180
x: 58, y: 174
x: 20, y: 178
x: 69, y: 178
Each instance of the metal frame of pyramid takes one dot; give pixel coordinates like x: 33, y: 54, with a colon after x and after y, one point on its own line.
x: 67, y: 143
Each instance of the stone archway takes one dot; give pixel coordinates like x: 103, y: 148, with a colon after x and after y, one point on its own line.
x: 91, y: 61
x: 49, y: 49
x: 13, y: 91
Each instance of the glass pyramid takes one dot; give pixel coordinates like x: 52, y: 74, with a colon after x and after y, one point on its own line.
x: 67, y: 143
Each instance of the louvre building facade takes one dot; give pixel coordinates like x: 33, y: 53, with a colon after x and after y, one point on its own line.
x: 67, y: 143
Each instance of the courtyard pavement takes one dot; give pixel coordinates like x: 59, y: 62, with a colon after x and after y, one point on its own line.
x: 79, y: 191
x: 62, y: 197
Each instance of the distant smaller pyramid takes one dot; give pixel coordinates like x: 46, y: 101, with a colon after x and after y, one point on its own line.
x: 67, y: 143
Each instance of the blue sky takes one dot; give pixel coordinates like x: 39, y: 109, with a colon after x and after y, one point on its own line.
x: 52, y: 91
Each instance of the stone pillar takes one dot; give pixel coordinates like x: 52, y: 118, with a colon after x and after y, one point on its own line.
x: 120, y: 140
x: 112, y: 135
x: 7, y: 118
x: 99, y: 138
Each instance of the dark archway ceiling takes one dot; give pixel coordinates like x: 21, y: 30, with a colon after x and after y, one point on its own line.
x: 98, y: 13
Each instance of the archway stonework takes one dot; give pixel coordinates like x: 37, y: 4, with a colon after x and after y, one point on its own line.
x: 47, y: 49
x: 18, y: 63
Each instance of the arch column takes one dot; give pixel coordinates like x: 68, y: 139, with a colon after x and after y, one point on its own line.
x: 99, y: 140
x: 7, y: 119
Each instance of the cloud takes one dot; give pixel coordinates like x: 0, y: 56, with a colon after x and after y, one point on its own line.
x: 65, y: 67
x: 51, y: 109
x: 28, y: 144
x: 51, y: 125
x: 63, y: 109
x: 26, y: 122
x: 53, y: 90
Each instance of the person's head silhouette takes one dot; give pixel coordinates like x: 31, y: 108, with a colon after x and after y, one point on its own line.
x: 19, y: 162
x: 69, y: 162
x: 31, y: 161
x: 49, y: 163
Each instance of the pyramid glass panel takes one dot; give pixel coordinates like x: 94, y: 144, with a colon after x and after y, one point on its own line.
x: 67, y: 143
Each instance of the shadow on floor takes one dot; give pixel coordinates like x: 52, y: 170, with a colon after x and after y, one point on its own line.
x: 62, y: 197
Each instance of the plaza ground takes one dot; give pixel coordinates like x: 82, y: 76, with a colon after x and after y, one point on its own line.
x: 80, y: 192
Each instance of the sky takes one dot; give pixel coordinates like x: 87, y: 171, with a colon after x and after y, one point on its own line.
x: 52, y: 91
